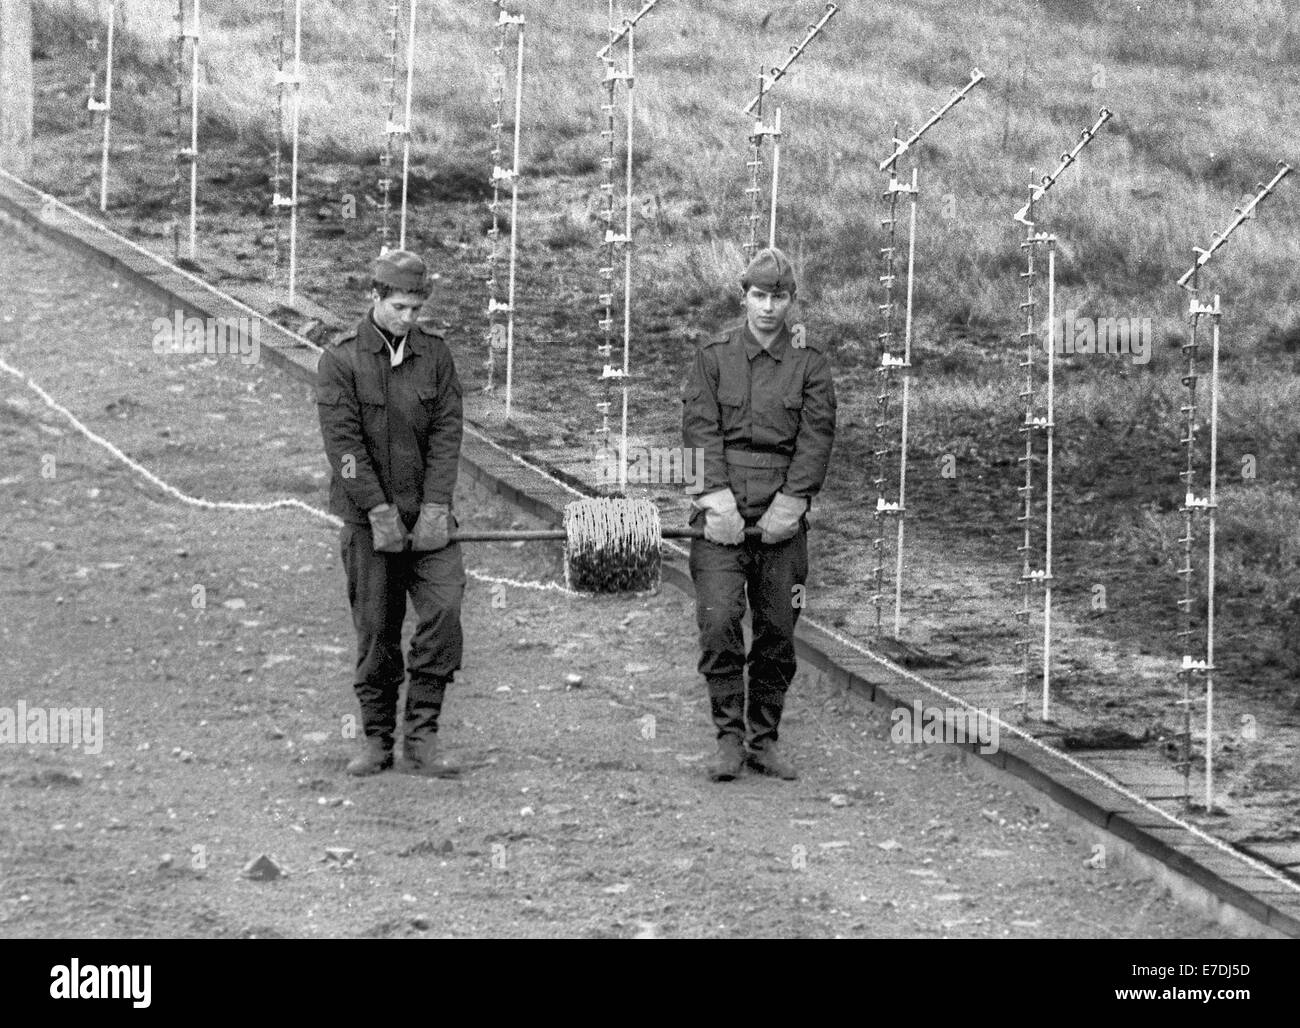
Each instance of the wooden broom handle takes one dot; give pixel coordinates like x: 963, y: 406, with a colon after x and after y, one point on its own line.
x: 515, y: 535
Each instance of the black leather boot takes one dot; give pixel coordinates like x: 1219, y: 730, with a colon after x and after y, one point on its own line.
x: 727, y: 702
x: 765, y: 709
x: 379, y: 721
x: 424, y: 696
x: 375, y: 755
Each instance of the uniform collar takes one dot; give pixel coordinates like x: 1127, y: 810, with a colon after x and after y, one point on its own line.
x: 376, y: 340
x: 778, y: 349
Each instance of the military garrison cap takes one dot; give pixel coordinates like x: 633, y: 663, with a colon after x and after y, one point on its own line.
x: 401, y: 269
x: 770, y: 270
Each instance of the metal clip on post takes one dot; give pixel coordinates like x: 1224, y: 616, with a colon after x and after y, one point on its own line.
x: 891, y: 362
x: 189, y: 153
x: 1204, y: 666
x: 611, y: 239
x: 884, y: 380
x: 106, y: 107
x: 501, y: 336
x: 761, y: 130
x: 755, y: 164
x: 1035, y: 423
x: 606, y: 271
x: 495, y: 331
x: 390, y: 107
x: 291, y: 201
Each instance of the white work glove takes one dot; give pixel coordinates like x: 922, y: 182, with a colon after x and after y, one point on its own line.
x: 433, y: 527
x: 387, y: 530
x: 781, y: 519
x: 722, y: 521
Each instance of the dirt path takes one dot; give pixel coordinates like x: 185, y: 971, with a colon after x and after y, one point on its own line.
x: 583, y: 812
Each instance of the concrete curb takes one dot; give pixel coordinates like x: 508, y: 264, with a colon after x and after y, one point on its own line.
x: 1221, y: 886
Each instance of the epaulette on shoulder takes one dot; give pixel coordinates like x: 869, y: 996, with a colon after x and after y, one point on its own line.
x: 339, y: 338
x: 813, y: 343
x: 724, y: 334
x: 427, y: 327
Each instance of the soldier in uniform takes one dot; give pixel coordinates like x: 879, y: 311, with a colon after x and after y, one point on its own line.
x: 390, y: 415
x: 760, y: 404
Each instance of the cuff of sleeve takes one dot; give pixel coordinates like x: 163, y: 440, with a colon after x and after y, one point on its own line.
x: 787, y: 504
x: 721, y: 500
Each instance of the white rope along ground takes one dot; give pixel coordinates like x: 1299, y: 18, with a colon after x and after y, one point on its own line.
x: 198, y: 501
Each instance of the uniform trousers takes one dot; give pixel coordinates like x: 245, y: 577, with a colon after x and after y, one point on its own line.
x: 378, y: 585
x: 767, y: 578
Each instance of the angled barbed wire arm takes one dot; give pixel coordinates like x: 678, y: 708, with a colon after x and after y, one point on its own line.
x: 1067, y: 158
x: 902, y: 146
x: 628, y: 25
x: 1243, y: 214
x: 795, y: 50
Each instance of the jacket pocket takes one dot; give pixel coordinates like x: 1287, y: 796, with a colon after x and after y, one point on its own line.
x: 790, y: 414
x: 371, y: 393
x: 731, y: 409
x: 776, y: 420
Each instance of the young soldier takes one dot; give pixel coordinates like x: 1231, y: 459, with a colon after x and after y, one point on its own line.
x: 390, y: 415
x: 760, y: 403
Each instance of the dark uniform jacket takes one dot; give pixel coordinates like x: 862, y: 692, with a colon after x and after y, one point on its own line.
x: 765, y: 419
x: 392, y: 435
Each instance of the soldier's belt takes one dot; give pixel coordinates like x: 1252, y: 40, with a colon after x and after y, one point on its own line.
x: 756, y: 459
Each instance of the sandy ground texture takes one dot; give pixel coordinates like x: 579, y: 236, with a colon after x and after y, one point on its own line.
x: 218, y: 647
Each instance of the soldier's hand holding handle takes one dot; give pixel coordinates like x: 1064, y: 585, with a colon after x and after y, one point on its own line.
x: 387, y: 528
x: 432, y: 529
x: 722, y: 521
x: 781, y: 519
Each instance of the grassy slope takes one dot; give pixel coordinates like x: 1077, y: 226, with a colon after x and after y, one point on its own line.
x: 1199, y: 91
